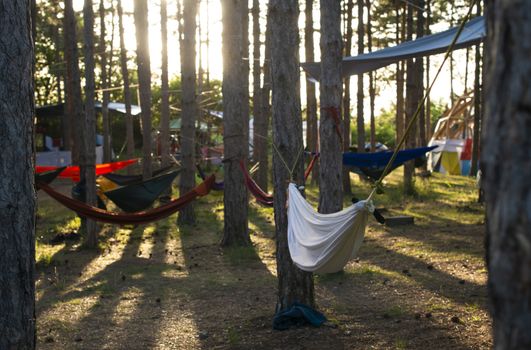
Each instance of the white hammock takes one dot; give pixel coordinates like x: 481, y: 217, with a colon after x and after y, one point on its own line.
x: 324, y: 243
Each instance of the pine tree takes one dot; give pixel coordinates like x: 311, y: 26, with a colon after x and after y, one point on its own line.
x: 293, y: 284
x: 189, y: 107
x: 234, y: 129
x: 17, y: 194
x: 144, y: 81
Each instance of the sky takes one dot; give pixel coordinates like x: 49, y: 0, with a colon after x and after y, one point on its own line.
x: 210, y: 17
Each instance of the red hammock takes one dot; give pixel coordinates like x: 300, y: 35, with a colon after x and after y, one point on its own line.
x: 257, y: 192
x: 260, y: 195
x: 72, y: 172
x: 140, y: 217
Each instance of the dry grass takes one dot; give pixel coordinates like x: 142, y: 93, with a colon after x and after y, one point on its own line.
x: 163, y: 287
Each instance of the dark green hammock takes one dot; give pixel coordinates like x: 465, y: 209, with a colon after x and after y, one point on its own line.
x: 123, y: 180
x: 48, y: 176
x: 141, y: 195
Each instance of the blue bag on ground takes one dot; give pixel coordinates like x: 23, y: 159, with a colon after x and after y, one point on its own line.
x: 297, y: 315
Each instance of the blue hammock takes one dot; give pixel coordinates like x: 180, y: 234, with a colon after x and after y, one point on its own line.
x: 373, y: 164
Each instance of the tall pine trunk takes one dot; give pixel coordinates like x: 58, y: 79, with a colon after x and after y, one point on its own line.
x: 256, y: 78
x: 74, y: 102
x: 371, y: 80
x: 346, y: 95
x: 399, y: 79
x: 428, y: 100
x: 330, y: 182
x: 244, y: 99
x: 164, y: 127
x: 311, y: 101
x: 411, y: 105
x: 293, y: 283
x: 107, y: 151
x: 88, y: 134
x: 262, y: 128
x: 477, y: 106
x: 360, y: 95
x: 144, y: 81
x: 419, y: 63
x: 17, y: 194
x: 234, y: 128
x: 189, y: 107
x: 129, y: 134
x: 506, y: 165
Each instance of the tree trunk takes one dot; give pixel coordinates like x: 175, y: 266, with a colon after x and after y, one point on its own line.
x: 234, y: 128
x: 330, y: 182
x: 189, y: 107
x: 129, y: 134
x: 428, y: 100
x: 107, y: 151
x: 399, y: 81
x: 17, y: 194
x: 419, y: 63
x: 244, y: 99
x: 88, y: 134
x: 144, y: 81
x: 262, y: 128
x: 506, y: 161
x: 477, y: 107
x: 256, y: 79
x: 293, y: 283
x: 164, y: 139
x: 311, y: 101
x: 74, y: 102
x: 346, y: 96
x: 371, y: 80
x: 411, y: 104
x: 360, y: 118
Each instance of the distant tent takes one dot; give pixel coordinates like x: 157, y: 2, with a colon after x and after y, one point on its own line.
x: 473, y: 33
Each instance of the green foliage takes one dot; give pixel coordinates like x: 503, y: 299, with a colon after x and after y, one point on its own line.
x: 386, y: 124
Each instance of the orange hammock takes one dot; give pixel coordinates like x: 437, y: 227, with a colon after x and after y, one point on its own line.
x: 260, y: 195
x: 72, y: 172
x: 140, y: 217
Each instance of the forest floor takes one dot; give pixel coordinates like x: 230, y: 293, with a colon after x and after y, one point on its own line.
x: 162, y: 287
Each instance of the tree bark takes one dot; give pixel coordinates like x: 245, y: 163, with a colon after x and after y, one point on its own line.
x: 262, y: 127
x: 244, y: 99
x: 88, y: 134
x: 399, y: 81
x: 257, y: 83
x: 129, y: 133
x: 107, y: 150
x: 293, y: 283
x: 505, y: 161
x: 330, y: 181
x: 346, y: 95
x: 411, y: 106
x: 419, y: 63
x: 477, y: 106
x: 144, y: 81
x: 17, y: 194
x: 371, y: 80
x: 189, y: 107
x: 428, y: 100
x: 360, y: 96
x: 164, y: 139
x: 311, y: 101
x: 74, y: 102
x: 234, y: 129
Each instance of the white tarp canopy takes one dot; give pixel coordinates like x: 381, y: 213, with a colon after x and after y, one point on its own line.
x: 473, y: 33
